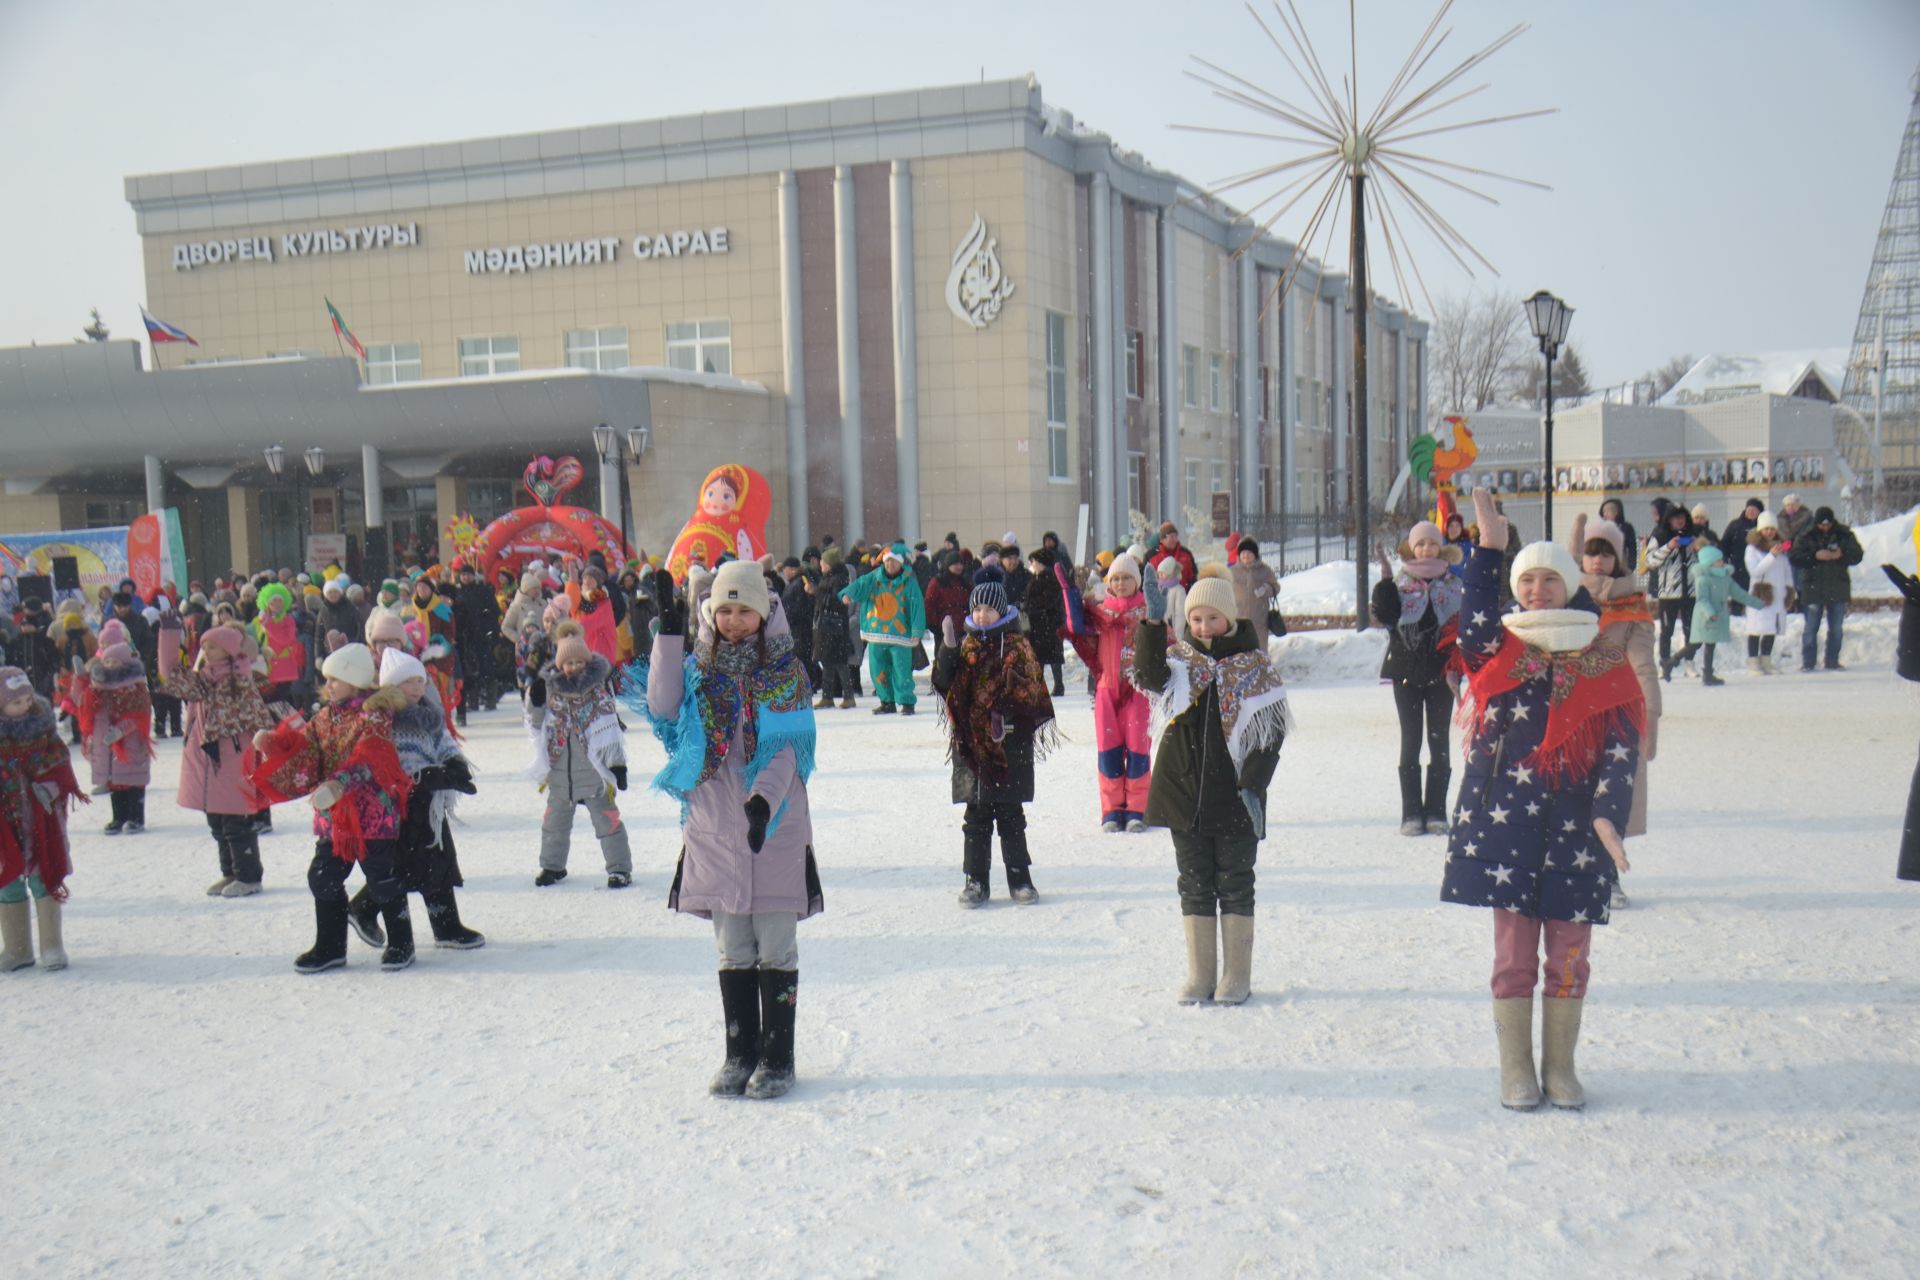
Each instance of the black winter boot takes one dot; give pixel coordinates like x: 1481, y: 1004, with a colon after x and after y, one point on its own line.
x: 1707, y: 677
x: 443, y: 917
x: 779, y: 989
x: 1413, y: 820
x: 399, y: 952
x: 1012, y: 820
x: 1435, y: 808
x: 363, y: 913
x: 117, y: 806
x: 740, y: 1003
x: 976, y: 853
x: 329, y: 937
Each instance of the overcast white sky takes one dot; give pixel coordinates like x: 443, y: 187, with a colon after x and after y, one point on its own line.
x: 1719, y: 166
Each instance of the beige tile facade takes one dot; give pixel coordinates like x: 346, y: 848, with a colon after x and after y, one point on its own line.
x: 424, y: 293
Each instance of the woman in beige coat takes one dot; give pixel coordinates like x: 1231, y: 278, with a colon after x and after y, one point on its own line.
x: 1627, y: 620
x: 1255, y: 588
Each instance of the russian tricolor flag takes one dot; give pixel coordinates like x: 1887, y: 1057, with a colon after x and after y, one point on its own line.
x: 159, y: 331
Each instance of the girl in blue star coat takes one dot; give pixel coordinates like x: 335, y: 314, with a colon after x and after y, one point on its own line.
x: 1554, y: 719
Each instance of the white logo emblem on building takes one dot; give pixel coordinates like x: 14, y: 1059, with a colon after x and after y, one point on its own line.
x: 977, y: 287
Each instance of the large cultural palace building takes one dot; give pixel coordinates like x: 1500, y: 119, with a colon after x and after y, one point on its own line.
x: 949, y: 308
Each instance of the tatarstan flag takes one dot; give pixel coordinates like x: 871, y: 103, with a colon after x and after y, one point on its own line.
x: 341, y: 331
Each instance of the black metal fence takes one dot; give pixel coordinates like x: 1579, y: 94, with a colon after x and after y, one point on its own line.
x: 1311, y: 538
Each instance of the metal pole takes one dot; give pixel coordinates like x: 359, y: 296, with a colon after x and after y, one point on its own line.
x: 1547, y: 532
x: 1106, y: 521
x: 846, y: 296
x: 793, y: 362
x: 1357, y: 393
x: 906, y: 374
x: 1879, y: 388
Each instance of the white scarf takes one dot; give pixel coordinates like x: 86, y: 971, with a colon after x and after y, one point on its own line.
x: 1554, y: 630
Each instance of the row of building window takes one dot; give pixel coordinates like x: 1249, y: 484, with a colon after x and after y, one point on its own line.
x: 697, y: 346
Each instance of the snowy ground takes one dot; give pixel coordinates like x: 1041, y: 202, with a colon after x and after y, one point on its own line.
x: 1012, y: 1089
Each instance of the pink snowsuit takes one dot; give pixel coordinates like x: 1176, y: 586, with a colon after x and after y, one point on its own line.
x: 1120, y: 714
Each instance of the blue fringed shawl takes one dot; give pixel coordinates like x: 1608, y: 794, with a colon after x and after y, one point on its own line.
x: 712, y: 704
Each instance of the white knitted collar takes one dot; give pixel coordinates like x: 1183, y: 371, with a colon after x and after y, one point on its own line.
x: 1555, y: 630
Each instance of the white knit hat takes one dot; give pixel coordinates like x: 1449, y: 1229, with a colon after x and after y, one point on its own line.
x: 352, y: 664
x: 738, y: 582
x: 1546, y: 555
x: 1766, y: 520
x: 1124, y: 563
x: 1212, y: 589
x: 397, y: 665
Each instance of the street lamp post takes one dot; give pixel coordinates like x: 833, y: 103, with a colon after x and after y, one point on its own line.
x: 1549, y: 317
x: 613, y: 507
x: 276, y: 466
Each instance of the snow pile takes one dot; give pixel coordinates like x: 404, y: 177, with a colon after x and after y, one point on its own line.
x: 1888, y: 541
x: 1329, y: 656
x: 1325, y: 589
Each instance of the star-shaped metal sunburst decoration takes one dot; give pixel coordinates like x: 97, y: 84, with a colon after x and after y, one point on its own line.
x: 1345, y: 149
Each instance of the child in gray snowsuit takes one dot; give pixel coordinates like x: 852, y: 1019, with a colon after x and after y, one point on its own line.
x: 580, y: 751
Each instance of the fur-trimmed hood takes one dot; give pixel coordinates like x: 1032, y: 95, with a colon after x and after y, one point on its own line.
x: 591, y: 676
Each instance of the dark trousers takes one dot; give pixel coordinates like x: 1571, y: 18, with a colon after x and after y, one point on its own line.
x: 128, y: 804
x: 473, y: 677
x: 327, y: 873
x: 1674, y: 613
x: 1759, y: 645
x: 836, y: 680
x: 1431, y: 707
x: 239, y: 845
x: 1216, y: 873
x: 976, y: 829
x: 166, y: 716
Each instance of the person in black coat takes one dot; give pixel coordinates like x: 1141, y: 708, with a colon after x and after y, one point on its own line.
x: 1906, y: 663
x: 1046, y: 612
x: 476, y: 628
x: 38, y: 653
x: 1209, y: 780
x: 1420, y: 607
x: 1824, y: 557
x: 1733, y: 545
x: 833, y: 634
x: 796, y: 598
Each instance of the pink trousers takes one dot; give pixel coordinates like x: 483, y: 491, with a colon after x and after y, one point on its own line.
x: 1516, y: 957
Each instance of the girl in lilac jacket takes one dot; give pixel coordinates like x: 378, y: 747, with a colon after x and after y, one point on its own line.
x: 736, y: 720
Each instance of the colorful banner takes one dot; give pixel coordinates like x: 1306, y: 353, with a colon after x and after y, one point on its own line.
x: 100, y: 553
x: 149, y: 551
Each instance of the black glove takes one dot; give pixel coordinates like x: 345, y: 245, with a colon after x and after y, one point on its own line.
x: 758, y: 812
x: 673, y: 614
x: 537, y: 692
x: 619, y: 772
x: 1908, y: 585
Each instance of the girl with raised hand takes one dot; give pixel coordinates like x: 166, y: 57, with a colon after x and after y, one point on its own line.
x: 736, y: 720
x: 1554, y: 723
x: 1224, y: 709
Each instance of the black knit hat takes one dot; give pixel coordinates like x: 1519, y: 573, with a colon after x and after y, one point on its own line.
x: 989, y: 588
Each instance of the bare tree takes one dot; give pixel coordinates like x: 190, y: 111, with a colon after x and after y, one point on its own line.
x: 1472, y: 348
